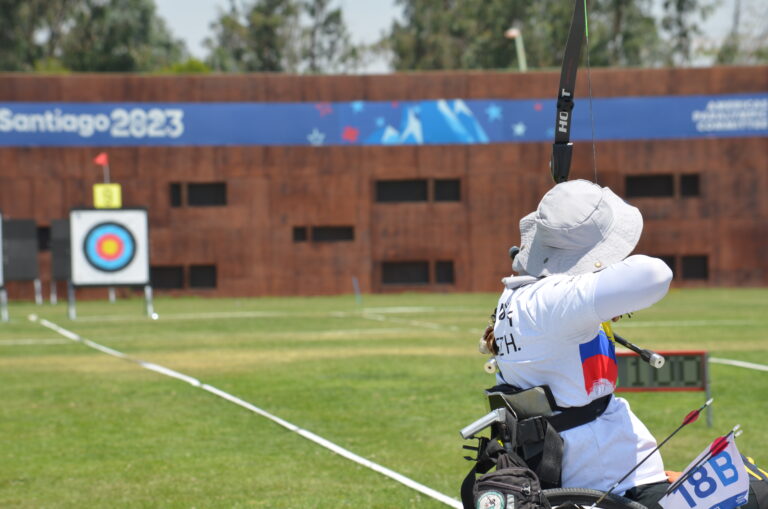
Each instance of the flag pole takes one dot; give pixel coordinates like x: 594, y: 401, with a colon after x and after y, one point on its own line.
x: 103, y: 160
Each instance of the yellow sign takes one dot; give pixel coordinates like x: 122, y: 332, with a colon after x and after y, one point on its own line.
x: 107, y: 196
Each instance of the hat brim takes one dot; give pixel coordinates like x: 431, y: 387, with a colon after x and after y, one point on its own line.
x: 537, y: 259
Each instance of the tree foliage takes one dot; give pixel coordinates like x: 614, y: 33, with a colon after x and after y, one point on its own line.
x: 281, y: 35
x: 119, y: 35
x: 681, y: 22
x: 747, y: 40
x: 326, y: 44
x: 23, y: 23
x: 454, y: 34
x: 254, y: 37
x: 311, y: 35
x: 85, y: 35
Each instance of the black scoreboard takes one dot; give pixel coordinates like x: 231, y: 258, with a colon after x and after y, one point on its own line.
x: 682, y: 371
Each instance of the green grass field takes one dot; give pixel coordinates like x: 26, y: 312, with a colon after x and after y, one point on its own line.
x: 392, y: 380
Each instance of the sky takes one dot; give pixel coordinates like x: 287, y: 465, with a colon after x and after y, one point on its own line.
x: 365, y: 19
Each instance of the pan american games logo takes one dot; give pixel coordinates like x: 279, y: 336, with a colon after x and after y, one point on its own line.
x: 109, y: 247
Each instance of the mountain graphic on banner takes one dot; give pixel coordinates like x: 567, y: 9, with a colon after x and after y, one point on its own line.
x: 432, y: 122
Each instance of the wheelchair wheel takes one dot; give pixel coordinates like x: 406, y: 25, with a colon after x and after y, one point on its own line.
x: 584, y: 498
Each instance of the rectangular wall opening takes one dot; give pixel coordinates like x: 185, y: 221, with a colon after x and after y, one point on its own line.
x: 695, y: 267
x: 333, y: 233
x: 390, y: 191
x: 444, y: 272
x: 689, y: 185
x: 447, y: 190
x: 642, y: 186
x: 168, y: 277
x: 405, y: 273
x: 174, y: 190
x: 210, y: 194
x: 300, y: 234
x: 43, y: 238
x: 202, y: 276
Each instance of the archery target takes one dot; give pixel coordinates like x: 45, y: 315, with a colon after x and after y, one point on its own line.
x: 109, y: 247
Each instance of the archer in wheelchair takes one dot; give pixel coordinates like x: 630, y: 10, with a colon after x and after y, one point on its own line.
x: 553, y: 411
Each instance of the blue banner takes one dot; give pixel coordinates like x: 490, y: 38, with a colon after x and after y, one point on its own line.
x: 428, y: 122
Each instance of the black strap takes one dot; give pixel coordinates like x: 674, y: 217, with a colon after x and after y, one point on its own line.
x: 551, y: 464
x: 468, y: 489
x: 573, y: 417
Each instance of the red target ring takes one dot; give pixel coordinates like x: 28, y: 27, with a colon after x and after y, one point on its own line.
x: 110, y: 246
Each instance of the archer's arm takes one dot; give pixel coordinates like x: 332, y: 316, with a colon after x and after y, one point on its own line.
x: 630, y: 285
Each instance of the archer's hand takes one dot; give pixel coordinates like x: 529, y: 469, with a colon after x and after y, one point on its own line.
x: 488, y: 342
x: 672, y: 476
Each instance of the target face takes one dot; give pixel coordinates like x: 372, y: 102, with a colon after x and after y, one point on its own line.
x: 109, y: 247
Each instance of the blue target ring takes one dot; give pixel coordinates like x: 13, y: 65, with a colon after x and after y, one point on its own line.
x: 109, y: 247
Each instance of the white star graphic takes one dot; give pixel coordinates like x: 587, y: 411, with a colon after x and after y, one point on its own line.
x: 316, y: 138
x: 518, y: 129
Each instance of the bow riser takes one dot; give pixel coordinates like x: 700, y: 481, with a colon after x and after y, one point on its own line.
x: 562, y: 149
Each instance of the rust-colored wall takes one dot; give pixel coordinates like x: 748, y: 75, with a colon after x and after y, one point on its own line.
x: 273, y: 189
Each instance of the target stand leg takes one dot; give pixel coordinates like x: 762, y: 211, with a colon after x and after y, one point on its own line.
x: 71, y: 311
x: 53, y: 297
x: 3, y: 305
x: 38, y: 291
x: 149, y: 302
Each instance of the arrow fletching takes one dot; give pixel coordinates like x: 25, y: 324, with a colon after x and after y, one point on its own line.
x: 691, y: 417
x: 718, y: 446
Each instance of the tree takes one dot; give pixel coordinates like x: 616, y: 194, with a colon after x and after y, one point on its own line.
x: 463, y: 34
x: 326, y: 45
x: 189, y: 66
x: 623, y: 33
x: 257, y: 37
x: 19, y: 20
x: 268, y: 35
x: 429, y: 37
x: 119, y: 36
x: 747, y: 40
x: 681, y: 23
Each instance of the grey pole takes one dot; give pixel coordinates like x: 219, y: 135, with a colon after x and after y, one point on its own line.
x: 71, y: 311
x: 3, y: 304
x: 517, y: 34
x: 149, y: 302
x: 38, y: 291
x: 54, y: 298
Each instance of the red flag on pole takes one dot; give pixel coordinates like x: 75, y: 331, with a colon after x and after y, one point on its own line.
x: 101, y: 159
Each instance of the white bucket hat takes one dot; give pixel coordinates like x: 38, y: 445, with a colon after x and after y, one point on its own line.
x: 578, y: 227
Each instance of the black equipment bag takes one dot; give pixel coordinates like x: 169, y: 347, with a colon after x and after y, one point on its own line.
x: 511, y: 486
x: 532, y: 443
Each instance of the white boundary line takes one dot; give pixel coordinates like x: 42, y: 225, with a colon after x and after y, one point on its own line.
x: 24, y: 342
x: 740, y: 364
x: 683, y: 323
x: 233, y: 399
